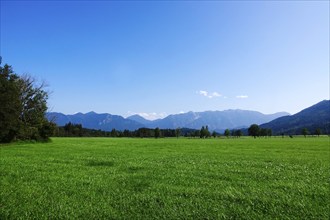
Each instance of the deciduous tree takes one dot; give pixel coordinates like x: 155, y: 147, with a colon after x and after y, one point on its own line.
x: 254, y: 130
x: 318, y: 132
x: 23, y: 107
x: 304, y: 132
x: 10, y: 106
x: 177, y: 132
x: 157, y: 132
x: 227, y: 133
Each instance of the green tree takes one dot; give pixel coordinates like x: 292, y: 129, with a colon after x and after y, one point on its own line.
x: 23, y: 108
x: 214, y: 134
x: 177, y: 132
x: 33, y: 99
x: 207, y: 132
x: 114, y: 133
x: 126, y: 133
x: 202, y: 132
x: 269, y: 132
x: 157, y: 132
x: 263, y: 132
x: 318, y: 131
x: 226, y: 133
x: 10, y: 104
x: 197, y: 133
x: 238, y: 133
x: 254, y: 130
x: 304, y: 132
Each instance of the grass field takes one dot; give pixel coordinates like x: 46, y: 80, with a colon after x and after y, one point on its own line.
x: 104, y: 178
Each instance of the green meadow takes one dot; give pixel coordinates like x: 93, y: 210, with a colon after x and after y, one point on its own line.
x: 122, y: 178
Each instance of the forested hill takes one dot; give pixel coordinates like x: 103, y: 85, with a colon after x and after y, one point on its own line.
x: 312, y: 118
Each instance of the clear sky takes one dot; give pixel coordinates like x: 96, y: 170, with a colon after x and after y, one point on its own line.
x: 161, y: 58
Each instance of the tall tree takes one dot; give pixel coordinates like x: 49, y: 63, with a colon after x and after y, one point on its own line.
x: 207, y: 132
x: 33, y: 99
x: 23, y: 108
x: 202, y: 132
x: 10, y: 107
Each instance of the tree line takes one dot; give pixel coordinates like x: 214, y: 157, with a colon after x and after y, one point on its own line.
x: 23, y: 104
x: 77, y: 130
x: 255, y: 131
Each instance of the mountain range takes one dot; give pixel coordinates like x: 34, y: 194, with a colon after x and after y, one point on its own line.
x: 92, y: 120
x: 312, y: 118
x: 215, y: 120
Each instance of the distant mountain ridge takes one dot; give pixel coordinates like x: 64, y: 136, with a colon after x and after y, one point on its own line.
x: 215, y: 120
x: 93, y: 120
x: 312, y: 118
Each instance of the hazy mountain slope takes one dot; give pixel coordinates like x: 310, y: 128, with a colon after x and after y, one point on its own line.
x: 316, y: 116
x: 175, y: 121
x: 216, y: 120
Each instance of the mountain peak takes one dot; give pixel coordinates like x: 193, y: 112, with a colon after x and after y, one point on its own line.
x: 138, y: 118
x: 91, y: 113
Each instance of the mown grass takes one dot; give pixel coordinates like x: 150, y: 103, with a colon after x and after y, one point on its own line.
x: 104, y: 178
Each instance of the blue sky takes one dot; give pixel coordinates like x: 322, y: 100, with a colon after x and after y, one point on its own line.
x: 160, y: 58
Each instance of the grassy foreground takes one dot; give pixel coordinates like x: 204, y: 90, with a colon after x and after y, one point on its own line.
x: 104, y: 178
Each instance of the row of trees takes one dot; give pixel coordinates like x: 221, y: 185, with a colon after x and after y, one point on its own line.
x: 255, y: 131
x: 76, y: 130
x: 306, y: 132
x: 23, y: 104
x: 234, y: 133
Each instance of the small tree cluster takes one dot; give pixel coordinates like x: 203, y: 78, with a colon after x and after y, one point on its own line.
x: 255, y: 131
x: 205, y: 133
x: 234, y: 133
